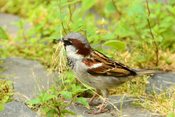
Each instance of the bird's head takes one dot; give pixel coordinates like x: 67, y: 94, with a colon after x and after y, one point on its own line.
x: 76, y: 45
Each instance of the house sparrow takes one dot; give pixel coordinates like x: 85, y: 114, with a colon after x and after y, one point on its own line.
x: 95, y: 69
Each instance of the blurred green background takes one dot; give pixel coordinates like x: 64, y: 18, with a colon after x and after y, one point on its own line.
x: 124, y: 22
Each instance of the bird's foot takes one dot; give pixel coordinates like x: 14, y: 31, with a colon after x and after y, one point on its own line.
x: 94, y: 104
x: 101, y: 110
x: 98, y: 111
x: 90, y: 104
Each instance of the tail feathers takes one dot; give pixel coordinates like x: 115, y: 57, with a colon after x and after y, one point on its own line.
x: 148, y: 71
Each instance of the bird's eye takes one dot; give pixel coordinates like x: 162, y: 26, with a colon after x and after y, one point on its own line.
x: 67, y: 42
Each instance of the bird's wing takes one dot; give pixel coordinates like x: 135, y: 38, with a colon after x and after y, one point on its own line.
x: 99, y: 64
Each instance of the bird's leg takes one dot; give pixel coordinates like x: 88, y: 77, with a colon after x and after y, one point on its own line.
x: 93, y: 97
x: 101, y: 110
x: 92, y: 103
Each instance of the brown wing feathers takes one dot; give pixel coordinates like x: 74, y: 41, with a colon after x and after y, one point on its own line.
x: 110, y: 67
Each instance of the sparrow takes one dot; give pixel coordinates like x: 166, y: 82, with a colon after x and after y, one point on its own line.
x: 96, y: 69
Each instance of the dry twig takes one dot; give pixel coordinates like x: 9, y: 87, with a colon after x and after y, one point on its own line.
x: 152, y: 35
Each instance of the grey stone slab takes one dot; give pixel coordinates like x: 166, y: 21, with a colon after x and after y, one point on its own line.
x: 6, y: 22
x: 16, y: 109
x: 124, y: 109
x: 28, y: 76
x: 161, y: 82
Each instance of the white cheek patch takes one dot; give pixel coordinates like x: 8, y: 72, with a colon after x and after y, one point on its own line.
x: 96, y: 65
x: 72, y: 52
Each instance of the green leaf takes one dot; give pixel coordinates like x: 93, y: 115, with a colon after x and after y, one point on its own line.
x: 50, y: 113
x: 1, y: 107
x: 171, y: 115
x: 54, y: 37
x: 35, y: 101
x: 110, y: 36
x: 60, y: 17
x: 67, y: 111
x: 82, y: 101
x: 66, y: 94
x: 169, y: 62
x: 158, y: 39
x: 115, y: 44
x: 3, y: 34
x: 171, y: 1
x: 45, y: 110
x: 109, y: 7
x: 87, y: 4
x: 69, y: 3
x: 77, y: 89
x: 3, y: 56
x: 141, y: 58
x: 138, y: 11
x: 48, y: 96
x: 139, y: 8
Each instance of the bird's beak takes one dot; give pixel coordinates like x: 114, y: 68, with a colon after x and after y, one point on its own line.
x: 61, y: 39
